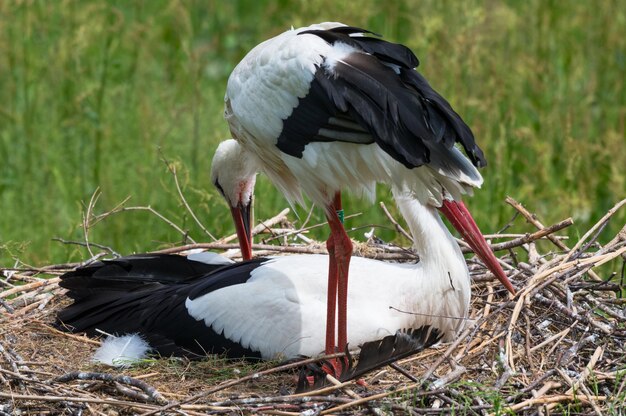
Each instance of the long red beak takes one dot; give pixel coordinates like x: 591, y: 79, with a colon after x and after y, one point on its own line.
x: 241, y: 217
x: 462, y: 220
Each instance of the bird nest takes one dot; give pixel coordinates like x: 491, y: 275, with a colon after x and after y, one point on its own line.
x: 556, y: 346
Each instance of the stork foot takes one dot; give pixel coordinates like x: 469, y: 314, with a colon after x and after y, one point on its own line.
x: 314, y: 376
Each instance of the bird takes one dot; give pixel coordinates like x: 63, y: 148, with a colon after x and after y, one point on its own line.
x: 271, y: 308
x: 330, y: 107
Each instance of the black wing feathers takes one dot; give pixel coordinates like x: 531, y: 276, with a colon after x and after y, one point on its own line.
x: 132, y: 272
x: 381, y: 91
x: 136, y: 295
x: 394, y: 53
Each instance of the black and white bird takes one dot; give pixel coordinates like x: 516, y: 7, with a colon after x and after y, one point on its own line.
x: 330, y: 107
x: 271, y: 307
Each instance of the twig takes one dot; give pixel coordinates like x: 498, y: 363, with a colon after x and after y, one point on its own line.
x: 597, y: 225
x: 284, y: 249
x: 88, y: 245
x: 80, y: 338
x: 262, y: 226
x: 552, y: 400
x: 30, y: 286
x: 395, y: 223
x: 51, y: 398
x: 532, y: 218
x: 87, y: 215
x: 172, y: 169
x: 94, y: 219
x: 240, y: 380
x: 310, y: 227
x: 544, y: 232
x: 150, y: 391
x: 371, y: 398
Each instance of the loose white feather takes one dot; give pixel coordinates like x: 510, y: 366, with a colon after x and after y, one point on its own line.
x: 122, y: 351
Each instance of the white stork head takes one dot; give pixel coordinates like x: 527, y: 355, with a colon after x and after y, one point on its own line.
x: 233, y: 172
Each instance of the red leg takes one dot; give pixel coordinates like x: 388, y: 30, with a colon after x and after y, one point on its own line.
x: 339, y: 261
x: 331, y: 302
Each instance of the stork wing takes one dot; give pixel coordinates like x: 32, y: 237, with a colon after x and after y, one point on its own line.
x: 146, y: 294
x: 373, y: 94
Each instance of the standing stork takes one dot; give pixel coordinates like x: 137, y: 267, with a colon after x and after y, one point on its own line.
x: 328, y: 107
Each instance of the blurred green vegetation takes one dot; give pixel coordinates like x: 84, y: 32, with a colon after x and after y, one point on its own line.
x: 93, y: 95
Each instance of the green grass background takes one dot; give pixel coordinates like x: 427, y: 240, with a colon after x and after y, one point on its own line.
x: 91, y: 90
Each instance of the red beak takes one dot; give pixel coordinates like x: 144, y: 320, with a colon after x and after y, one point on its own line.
x: 241, y: 216
x: 462, y: 220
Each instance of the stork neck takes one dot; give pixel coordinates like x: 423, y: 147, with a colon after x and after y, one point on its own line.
x: 431, y: 239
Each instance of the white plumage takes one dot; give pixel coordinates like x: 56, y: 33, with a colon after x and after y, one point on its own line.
x: 121, y: 351
x: 281, y: 312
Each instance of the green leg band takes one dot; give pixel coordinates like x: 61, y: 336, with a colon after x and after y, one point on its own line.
x: 340, y: 215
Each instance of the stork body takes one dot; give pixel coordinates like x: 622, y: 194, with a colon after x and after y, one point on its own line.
x: 275, y: 307
x: 327, y: 107
x: 324, y: 108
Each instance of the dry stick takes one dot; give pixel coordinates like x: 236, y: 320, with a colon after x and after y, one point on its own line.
x: 95, y: 219
x: 559, y: 335
x: 597, y: 225
x: 404, y: 372
x: 615, y: 314
x: 252, y: 401
x: 120, y: 208
x: 528, y: 238
x: 582, y: 387
x: 261, y: 227
x: 81, y: 338
x: 544, y: 389
x: 6, y: 306
x: 538, y: 279
x: 324, y: 390
x: 25, y: 309
x: 283, y: 249
x: 382, y: 396
x: 221, y: 246
x: 78, y: 399
x: 451, y: 376
x: 620, y: 236
x: 172, y: 170
x: 9, y: 359
x: 532, y: 385
x: 395, y: 223
x: 249, y: 377
x: 553, y: 400
x: 160, y: 216
x: 29, y: 286
x: 87, y: 215
x: 152, y: 393
x: 588, y: 369
x: 534, y: 221
x: 339, y: 384
x: 58, y: 268
x: 222, y: 243
x: 16, y: 376
x: 310, y: 227
x: 87, y: 244
x: 451, y: 348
